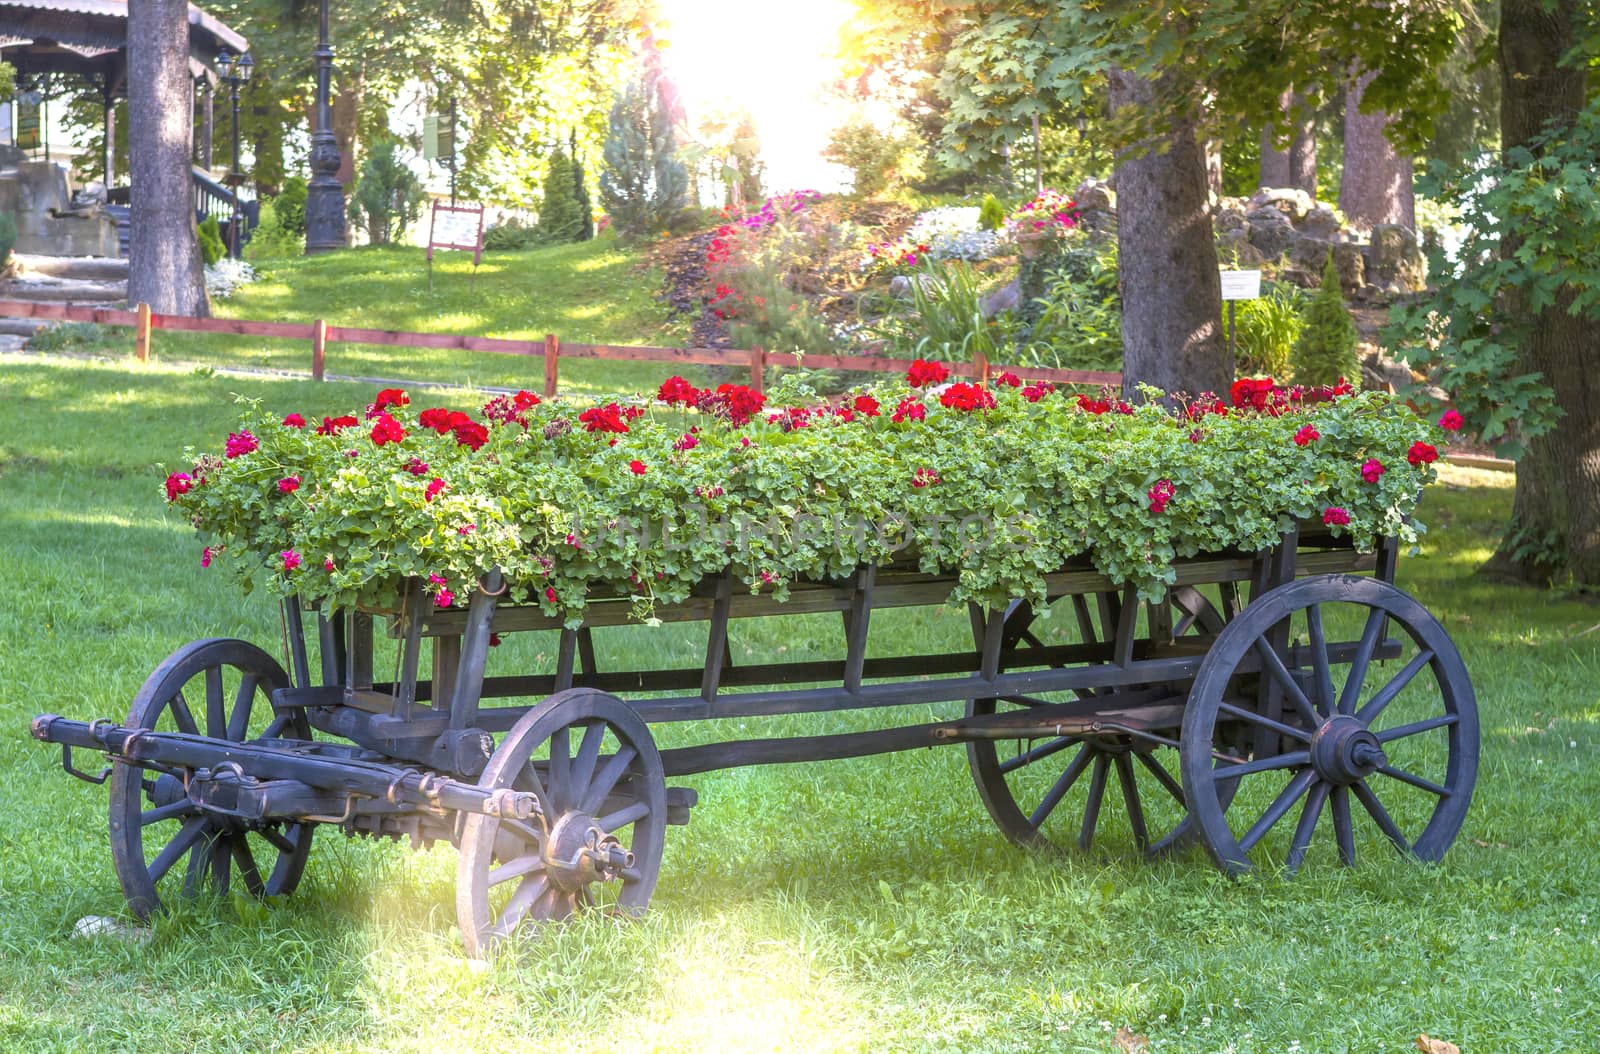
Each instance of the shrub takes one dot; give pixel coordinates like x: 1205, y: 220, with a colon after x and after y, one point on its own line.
x: 559, y: 217
x: 273, y: 239
x: 645, y: 188
x: 1077, y: 319
x: 510, y: 236
x: 991, y: 214
x: 64, y: 335
x: 580, y: 192
x: 1326, y: 350
x: 211, y: 247
x: 945, y: 319
x: 388, y: 196
x: 876, y: 160
x: 8, y: 237
x: 1266, y: 330
x: 290, y: 205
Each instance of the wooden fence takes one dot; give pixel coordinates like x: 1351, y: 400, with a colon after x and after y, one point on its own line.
x: 319, y: 334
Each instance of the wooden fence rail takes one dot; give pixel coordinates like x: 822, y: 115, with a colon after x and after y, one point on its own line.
x: 319, y: 334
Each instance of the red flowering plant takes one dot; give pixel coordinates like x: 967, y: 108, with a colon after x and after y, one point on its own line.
x: 995, y: 487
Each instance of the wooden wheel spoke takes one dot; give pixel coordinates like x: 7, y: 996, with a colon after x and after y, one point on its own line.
x: 522, y: 865
x: 560, y: 767
x: 613, y: 770
x: 1273, y: 761
x: 1032, y: 754
x: 1063, y: 783
x: 594, y: 735
x: 216, y: 715
x: 222, y: 863
x: 1380, y: 816
x: 1275, y: 812
x: 239, y: 718
x: 613, y: 821
x: 528, y: 833
x: 1319, y: 661
x: 1272, y: 662
x: 1033, y: 642
x: 1309, y: 813
x: 199, y: 866
x: 1244, y: 714
x: 182, y: 807
x: 182, y: 715
x: 1396, y: 685
x: 276, y: 728
x: 1130, y: 798
x: 1357, y: 677
x: 279, y: 840
x: 1344, y: 831
x: 247, y: 865
x: 181, y: 843
x: 1163, y: 777
x: 1416, y: 728
x: 1416, y: 781
x: 1097, y: 794
x: 531, y: 890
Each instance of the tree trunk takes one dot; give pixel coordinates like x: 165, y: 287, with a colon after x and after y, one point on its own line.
x: 1555, y: 517
x: 1303, y: 150
x: 346, y: 121
x: 1274, y: 162
x: 164, y: 266
x: 1171, y: 294
x: 1376, y: 187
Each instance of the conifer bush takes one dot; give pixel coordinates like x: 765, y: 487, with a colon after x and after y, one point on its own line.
x: 1326, y: 350
x: 560, y: 216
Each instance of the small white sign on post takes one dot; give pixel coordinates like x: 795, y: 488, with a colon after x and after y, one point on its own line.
x: 1241, y: 285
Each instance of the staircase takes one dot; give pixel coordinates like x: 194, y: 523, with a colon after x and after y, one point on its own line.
x: 88, y: 281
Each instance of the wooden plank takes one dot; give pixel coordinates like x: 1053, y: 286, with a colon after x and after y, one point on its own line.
x: 319, y: 349
x: 758, y: 363
x: 552, y: 350
x: 692, y: 356
x: 237, y: 327
x: 141, y: 333
x: 459, y: 342
x: 105, y: 316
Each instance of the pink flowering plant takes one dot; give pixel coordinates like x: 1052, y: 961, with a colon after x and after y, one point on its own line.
x: 1050, y: 216
x: 996, y: 484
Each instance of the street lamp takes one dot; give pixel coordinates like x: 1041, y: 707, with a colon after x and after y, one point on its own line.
x: 324, y: 194
x: 236, y: 72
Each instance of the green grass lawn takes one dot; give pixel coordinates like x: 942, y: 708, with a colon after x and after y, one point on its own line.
x: 848, y: 906
x: 594, y: 292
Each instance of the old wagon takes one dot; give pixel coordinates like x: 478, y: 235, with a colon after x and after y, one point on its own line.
x: 1264, y: 696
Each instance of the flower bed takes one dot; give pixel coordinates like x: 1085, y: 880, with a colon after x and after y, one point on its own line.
x: 995, y: 486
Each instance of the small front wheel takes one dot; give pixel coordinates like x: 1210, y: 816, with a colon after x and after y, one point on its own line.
x: 597, y: 843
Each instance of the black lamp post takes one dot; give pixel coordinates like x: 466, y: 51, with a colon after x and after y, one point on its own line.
x: 324, y: 194
x: 236, y: 72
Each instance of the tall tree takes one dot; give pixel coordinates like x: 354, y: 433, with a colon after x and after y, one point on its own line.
x: 164, y: 266
x: 1295, y: 164
x: 1275, y: 159
x: 1376, y: 186
x: 1555, y: 529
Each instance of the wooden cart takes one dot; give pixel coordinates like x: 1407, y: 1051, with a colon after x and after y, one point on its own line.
x: 1268, y: 693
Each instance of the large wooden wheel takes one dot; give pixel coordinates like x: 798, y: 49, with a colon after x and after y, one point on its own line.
x: 597, y: 843
x: 1323, y: 726
x: 1052, y: 791
x: 218, y: 688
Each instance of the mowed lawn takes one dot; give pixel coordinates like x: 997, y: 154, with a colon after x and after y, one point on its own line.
x: 865, y: 905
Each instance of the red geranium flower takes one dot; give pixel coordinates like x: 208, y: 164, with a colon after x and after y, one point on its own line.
x: 910, y: 408
x: 607, y: 418
x: 332, y: 425
x: 866, y: 406
x: 524, y: 400
x: 291, y: 559
x: 1160, y: 494
x: 923, y: 373
x: 417, y: 467
x: 1007, y: 379
x: 1422, y: 453
x: 471, y: 434
x: 391, y: 397
x: 1034, y: 392
x: 387, y: 430
x: 925, y: 477
x: 434, y: 488
x: 288, y: 484
x: 638, y: 468
x: 688, y: 442
x: 436, y: 418
x: 179, y: 483
x: 967, y: 397
x: 1094, y: 406
x: 205, y: 556
x: 1451, y: 421
x: 294, y: 421
x: 240, y: 443
x: 1306, y: 436
x: 1371, y: 469
x: 1335, y: 516
x: 675, y: 391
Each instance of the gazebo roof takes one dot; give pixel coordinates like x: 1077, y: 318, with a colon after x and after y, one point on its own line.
x: 89, y: 37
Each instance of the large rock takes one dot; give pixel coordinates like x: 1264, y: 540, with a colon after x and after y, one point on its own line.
x: 1234, y: 249
x: 1352, y: 266
x: 1291, y: 201
x: 1309, y: 252
x: 1321, y: 221
x: 1230, y: 216
x: 1006, y: 298
x: 1270, y: 231
x: 1396, y: 260
x: 1095, y: 195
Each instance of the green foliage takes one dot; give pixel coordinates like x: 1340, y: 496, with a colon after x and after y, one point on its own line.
x: 290, y: 205
x: 878, y: 161
x: 1532, y: 242
x: 580, y: 192
x: 560, y: 216
x: 8, y: 237
x: 945, y: 320
x: 1266, y: 330
x: 387, y: 197
x: 1077, y: 321
x: 1326, y: 348
x: 991, y: 214
x: 63, y: 336
x: 644, y: 187
x: 212, y: 248
x: 547, y: 491
x: 273, y: 239
x: 509, y: 236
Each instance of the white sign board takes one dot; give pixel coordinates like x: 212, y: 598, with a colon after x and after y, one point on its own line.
x: 1241, y: 285
x: 456, y: 227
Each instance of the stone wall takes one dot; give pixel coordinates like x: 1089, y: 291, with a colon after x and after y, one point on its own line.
x: 49, y: 222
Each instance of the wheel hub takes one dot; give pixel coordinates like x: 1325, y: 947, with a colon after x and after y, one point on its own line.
x: 1344, y: 751
x: 578, y: 853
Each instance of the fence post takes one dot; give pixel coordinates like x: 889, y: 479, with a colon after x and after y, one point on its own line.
x: 981, y: 362
x: 141, y: 333
x: 319, y: 349
x: 552, y: 351
x: 758, y: 368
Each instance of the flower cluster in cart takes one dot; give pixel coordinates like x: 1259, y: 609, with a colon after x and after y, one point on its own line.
x: 997, y: 485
